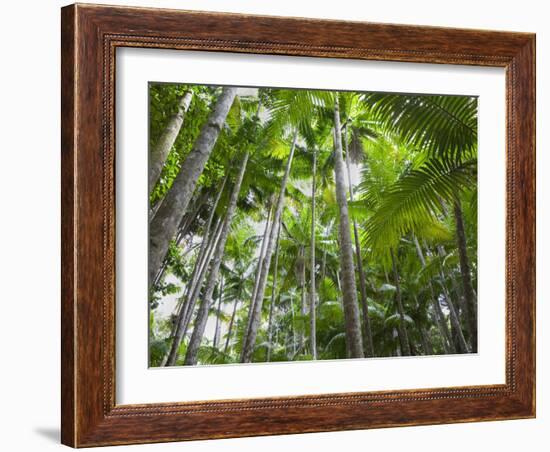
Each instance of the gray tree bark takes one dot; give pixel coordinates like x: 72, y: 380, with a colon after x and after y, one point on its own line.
x: 185, y: 315
x: 197, y: 277
x: 160, y: 151
x: 273, y: 290
x: 265, y: 240
x: 470, y: 309
x: 312, y: 290
x: 354, y: 340
x: 231, y: 322
x: 217, y: 330
x: 256, y: 312
x: 362, y: 287
x: 455, y: 321
x: 403, y: 335
x: 164, y: 225
x: 202, y: 314
x: 448, y: 345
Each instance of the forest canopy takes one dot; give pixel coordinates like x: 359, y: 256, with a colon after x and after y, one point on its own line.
x: 292, y: 224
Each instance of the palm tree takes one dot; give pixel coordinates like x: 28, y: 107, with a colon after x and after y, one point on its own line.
x: 312, y: 294
x: 257, y: 302
x: 160, y: 151
x: 287, y: 259
x: 202, y: 315
x: 164, y: 224
x: 354, y: 341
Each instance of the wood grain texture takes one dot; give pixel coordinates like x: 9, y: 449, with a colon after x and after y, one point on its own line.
x: 90, y: 36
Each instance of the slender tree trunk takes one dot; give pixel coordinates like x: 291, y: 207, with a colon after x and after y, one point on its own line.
x: 426, y: 342
x: 217, y: 329
x: 231, y: 323
x: 189, y: 302
x: 273, y: 290
x: 470, y: 310
x: 200, y: 261
x: 362, y: 288
x: 160, y: 151
x: 446, y: 339
x: 256, y: 312
x: 265, y: 240
x: 455, y: 322
x: 312, y: 290
x: 406, y: 347
x: 204, y: 264
x: 269, y: 333
x: 185, y: 315
x: 202, y: 314
x: 303, y: 297
x: 354, y: 340
x: 293, y: 328
x: 164, y: 225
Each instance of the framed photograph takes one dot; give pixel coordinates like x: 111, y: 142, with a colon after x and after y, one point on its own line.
x: 280, y: 225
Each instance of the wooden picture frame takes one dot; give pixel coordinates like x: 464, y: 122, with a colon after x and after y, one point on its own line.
x: 90, y: 36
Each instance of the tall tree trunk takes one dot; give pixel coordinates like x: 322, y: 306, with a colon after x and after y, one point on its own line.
x: 312, y: 290
x: 293, y: 327
x: 231, y: 323
x: 469, y: 297
x: 189, y: 302
x: 354, y: 340
x: 403, y: 335
x: 200, y: 260
x: 256, y: 312
x: 185, y: 315
x: 426, y: 342
x: 362, y: 287
x: 163, y: 226
x: 265, y: 240
x: 160, y: 151
x: 455, y: 322
x: 303, y: 297
x: 202, y: 314
x: 446, y: 339
x: 217, y: 328
x: 273, y: 290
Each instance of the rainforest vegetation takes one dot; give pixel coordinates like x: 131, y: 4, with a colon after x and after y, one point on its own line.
x: 290, y: 224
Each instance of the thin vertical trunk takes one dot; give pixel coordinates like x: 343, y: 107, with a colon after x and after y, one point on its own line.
x: 203, y: 269
x: 205, y: 241
x: 303, y: 298
x: 160, y: 151
x: 404, y: 337
x: 273, y: 290
x: 265, y: 240
x: 164, y: 224
x: 426, y: 342
x: 188, y: 307
x: 202, y: 314
x: 362, y: 288
x: 312, y: 290
x: 469, y: 297
x: 339, y: 286
x: 293, y: 327
x: 269, y: 332
x: 446, y: 338
x: 217, y: 328
x: 256, y: 312
x: 455, y: 322
x: 354, y: 340
x: 231, y: 323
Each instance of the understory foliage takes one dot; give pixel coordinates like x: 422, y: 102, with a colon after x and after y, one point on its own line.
x: 306, y: 196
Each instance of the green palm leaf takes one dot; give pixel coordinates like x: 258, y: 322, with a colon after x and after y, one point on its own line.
x: 415, y: 199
